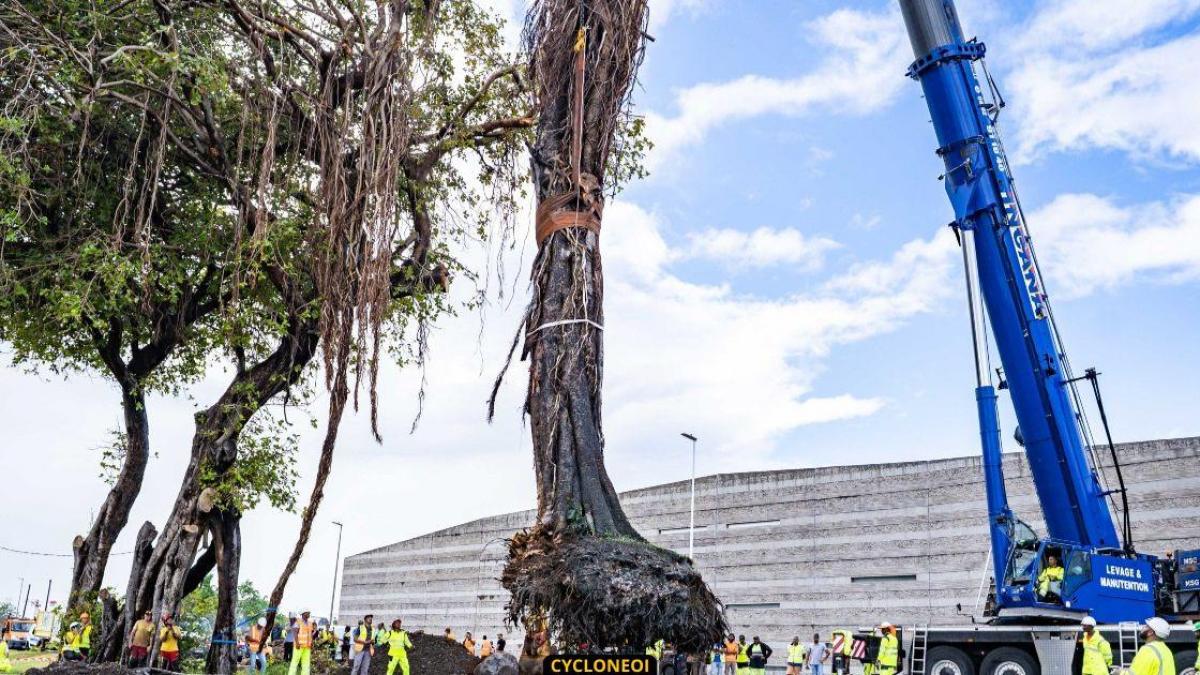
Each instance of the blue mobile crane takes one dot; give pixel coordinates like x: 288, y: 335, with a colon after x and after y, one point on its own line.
x: 1102, y: 574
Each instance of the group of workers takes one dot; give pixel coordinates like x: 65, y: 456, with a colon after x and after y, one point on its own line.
x: 1154, y: 657
x: 735, y: 656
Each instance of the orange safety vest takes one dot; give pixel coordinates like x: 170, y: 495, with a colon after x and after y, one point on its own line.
x: 304, y: 634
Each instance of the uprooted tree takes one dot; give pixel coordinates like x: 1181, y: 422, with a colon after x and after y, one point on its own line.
x: 315, y: 149
x: 583, y: 572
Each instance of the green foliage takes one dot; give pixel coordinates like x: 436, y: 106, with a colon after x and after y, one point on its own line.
x: 266, y: 467
x: 196, y: 616
x: 251, y: 604
x: 112, y: 456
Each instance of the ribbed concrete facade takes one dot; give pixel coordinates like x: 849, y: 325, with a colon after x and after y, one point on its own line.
x: 790, y: 551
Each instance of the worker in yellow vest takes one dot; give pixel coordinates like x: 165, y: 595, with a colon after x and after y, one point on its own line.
x: 1154, y: 657
x: 168, y: 643
x: 656, y: 649
x: 843, y: 642
x: 1049, y: 582
x: 1097, y: 654
x: 306, y: 632
x: 743, y: 659
x: 398, y: 646
x: 795, y: 659
x: 85, y: 635
x: 364, y: 646
x: 5, y: 666
x: 889, y: 651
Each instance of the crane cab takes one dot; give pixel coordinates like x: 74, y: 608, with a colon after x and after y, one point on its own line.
x: 1054, y: 579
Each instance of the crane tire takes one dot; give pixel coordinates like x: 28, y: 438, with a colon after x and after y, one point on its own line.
x: 944, y: 660
x: 1009, y: 661
x: 1185, y: 663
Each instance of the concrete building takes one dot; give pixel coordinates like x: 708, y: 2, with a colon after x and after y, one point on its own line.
x: 791, y: 552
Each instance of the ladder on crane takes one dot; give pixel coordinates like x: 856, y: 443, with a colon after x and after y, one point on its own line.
x: 916, y: 652
x: 1127, y: 642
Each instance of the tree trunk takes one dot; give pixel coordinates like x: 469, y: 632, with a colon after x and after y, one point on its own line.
x: 227, y: 542
x: 91, y: 552
x: 584, y: 574
x: 171, y: 569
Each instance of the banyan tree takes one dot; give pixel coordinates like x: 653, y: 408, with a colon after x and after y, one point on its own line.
x: 583, y: 572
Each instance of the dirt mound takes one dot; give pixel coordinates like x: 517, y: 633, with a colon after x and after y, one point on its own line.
x: 81, y: 668
x: 610, y: 592
x: 430, y: 655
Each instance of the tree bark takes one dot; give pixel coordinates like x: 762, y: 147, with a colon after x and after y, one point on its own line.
x: 227, y: 543
x: 171, y: 569
x: 91, y: 552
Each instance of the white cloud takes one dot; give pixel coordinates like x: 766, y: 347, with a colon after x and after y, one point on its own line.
x: 741, y: 370
x: 763, y: 247
x: 866, y: 51
x: 662, y: 10
x: 1097, y: 75
x: 1100, y: 24
x: 1087, y: 242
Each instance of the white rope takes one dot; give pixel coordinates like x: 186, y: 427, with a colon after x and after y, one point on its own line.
x: 564, y: 322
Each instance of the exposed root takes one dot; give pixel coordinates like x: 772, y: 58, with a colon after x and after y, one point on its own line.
x: 609, y: 592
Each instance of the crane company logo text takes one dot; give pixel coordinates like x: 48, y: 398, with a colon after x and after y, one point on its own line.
x: 1124, y: 578
x: 600, y: 663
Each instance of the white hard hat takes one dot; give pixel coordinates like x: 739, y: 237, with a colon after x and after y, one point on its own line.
x: 1160, y: 627
x: 262, y: 621
x: 885, y: 624
x: 1088, y: 621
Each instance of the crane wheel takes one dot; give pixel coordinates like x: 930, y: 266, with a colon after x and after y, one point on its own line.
x: 1009, y: 661
x: 943, y: 660
x: 1185, y: 663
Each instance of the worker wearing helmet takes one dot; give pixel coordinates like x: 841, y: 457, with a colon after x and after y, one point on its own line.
x: 1097, y: 654
x: 306, y: 630
x: 889, y: 651
x: 254, y: 640
x: 1154, y: 657
x: 398, y: 646
x: 70, y: 643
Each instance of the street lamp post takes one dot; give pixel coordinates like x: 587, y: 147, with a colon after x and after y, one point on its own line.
x: 692, y: 523
x: 336, y: 559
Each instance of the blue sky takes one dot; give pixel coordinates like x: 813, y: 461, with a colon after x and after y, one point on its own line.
x: 783, y: 285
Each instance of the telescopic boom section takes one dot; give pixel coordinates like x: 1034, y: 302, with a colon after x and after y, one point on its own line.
x: 1002, y: 269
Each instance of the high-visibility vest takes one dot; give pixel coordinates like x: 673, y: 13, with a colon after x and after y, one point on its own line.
x: 1048, y: 575
x: 731, y: 650
x: 255, y: 638
x: 1154, y: 658
x: 485, y: 649
x: 398, y: 643
x: 85, y: 637
x: 743, y: 657
x: 71, y: 641
x: 1097, y: 654
x: 889, y: 652
x: 656, y: 649
x: 364, y: 634
x: 796, y: 654
x: 304, y: 634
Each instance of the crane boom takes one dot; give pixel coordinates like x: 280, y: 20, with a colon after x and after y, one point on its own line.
x: 1006, y: 294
